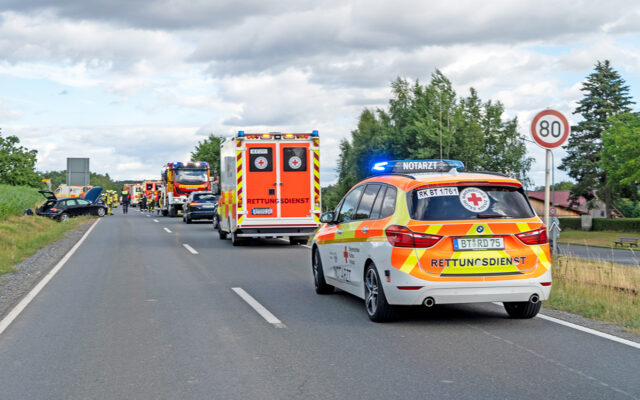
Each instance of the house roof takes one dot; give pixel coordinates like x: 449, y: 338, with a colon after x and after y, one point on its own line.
x: 559, y: 197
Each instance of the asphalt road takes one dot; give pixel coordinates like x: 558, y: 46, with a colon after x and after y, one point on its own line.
x: 135, y: 315
x: 620, y: 256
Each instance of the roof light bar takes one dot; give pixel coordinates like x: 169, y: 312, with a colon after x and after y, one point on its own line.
x: 416, y: 166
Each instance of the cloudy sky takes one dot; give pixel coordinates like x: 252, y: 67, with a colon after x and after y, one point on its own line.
x: 133, y: 85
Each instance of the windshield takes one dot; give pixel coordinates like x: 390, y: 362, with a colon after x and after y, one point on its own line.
x: 468, y: 202
x: 191, y: 177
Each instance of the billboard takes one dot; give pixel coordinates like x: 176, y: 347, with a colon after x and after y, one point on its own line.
x: 78, y: 171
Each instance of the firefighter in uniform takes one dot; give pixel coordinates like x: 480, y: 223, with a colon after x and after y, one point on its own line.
x: 108, y: 202
x: 150, y: 202
x: 125, y: 201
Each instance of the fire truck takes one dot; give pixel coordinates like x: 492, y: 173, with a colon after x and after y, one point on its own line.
x: 178, y: 181
x: 270, y: 186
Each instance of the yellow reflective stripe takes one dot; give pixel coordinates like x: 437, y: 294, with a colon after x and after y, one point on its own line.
x: 410, y: 263
x: 433, y: 229
x: 523, y: 226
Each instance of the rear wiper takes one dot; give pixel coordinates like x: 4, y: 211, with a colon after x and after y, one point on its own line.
x: 492, y: 216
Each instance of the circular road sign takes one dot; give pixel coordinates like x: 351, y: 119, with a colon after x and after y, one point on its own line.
x: 550, y: 129
x: 553, y: 211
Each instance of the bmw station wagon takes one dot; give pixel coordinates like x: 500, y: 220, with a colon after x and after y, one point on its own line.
x: 422, y: 232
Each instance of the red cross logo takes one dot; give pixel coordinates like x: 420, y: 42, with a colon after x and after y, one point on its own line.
x: 261, y: 163
x: 346, y: 255
x: 474, y: 199
x: 294, y: 162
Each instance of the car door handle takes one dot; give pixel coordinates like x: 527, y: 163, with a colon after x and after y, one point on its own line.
x: 339, y: 232
x: 365, y: 229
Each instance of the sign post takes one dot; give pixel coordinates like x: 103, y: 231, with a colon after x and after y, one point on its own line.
x: 549, y: 129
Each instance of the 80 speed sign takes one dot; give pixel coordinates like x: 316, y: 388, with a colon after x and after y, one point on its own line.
x: 550, y: 129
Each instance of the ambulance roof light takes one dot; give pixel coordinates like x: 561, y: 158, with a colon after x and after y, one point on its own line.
x: 240, y: 133
x: 417, y: 166
x: 314, y: 133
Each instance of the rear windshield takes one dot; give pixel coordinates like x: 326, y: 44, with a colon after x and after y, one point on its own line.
x: 205, y: 197
x: 468, y: 202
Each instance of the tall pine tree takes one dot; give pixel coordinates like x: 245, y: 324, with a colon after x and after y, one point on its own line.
x: 605, y: 95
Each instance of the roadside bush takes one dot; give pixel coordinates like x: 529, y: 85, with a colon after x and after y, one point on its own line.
x: 570, y: 223
x: 603, y: 224
x: 14, y: 199
x: 618, y: 225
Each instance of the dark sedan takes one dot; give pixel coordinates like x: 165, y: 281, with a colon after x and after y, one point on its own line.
x: 200, y: 205
x: 63, y: 209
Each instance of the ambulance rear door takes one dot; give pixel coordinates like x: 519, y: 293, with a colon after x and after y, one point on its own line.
x: 261, y: 180
x: 296, y: 185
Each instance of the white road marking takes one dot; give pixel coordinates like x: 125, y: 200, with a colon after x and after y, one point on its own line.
x: 13, y: 314
x: 148, y: 215
x: 155, y: 220
x: 167, y: 230
x: 264, y: 313
x: 306, y: 245
x: 585, y: 329
x: 191, y: 249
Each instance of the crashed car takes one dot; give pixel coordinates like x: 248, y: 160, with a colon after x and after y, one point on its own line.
x: 63, y: 209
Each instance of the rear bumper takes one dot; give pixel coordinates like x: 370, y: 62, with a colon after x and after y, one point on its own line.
x: 199, y: 214
x: 465, y: 292
x: 270, y: 231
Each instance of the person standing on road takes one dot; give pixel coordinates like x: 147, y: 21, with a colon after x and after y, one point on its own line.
x: 143, y: 202
x: 125, y: 201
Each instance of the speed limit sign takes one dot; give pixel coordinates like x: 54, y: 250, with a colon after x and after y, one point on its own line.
x: 550, y: 129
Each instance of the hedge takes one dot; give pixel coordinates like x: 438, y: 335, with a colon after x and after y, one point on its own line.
x: 603, y: 224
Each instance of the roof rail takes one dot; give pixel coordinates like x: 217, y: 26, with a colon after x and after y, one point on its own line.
x: 392, y: 174
x: 492, y: 173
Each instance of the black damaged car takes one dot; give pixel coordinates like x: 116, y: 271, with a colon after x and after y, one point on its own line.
x: 63, y: 209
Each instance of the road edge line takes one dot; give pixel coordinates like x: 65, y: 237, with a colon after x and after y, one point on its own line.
x: 17, y: 310
x: 259, y: 308
x: 584, y: 329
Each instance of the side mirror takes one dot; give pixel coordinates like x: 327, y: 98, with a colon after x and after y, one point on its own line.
x: 327, y: 217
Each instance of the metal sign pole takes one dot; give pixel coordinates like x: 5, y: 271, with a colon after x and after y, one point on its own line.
x: 547, y: 189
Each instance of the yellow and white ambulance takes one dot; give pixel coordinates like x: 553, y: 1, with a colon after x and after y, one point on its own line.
x: 422, y: 232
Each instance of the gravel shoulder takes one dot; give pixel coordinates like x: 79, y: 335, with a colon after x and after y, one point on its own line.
x: 14, y: 286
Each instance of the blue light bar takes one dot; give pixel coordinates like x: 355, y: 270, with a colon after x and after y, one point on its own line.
x: 416, y: 166
x: 240, y: 133
x: 314, y: 133
x: 204, y: 163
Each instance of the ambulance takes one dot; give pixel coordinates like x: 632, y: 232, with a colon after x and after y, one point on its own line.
x: 270, y: 186
x: 423, y: 232
x: 64, y: 191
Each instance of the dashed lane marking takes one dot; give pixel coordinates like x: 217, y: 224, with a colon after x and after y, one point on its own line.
x: 191, y: 249
x: 155, y: 220
x: 13, y: 314
x: 586, y: 330
x: 259, y: 308
x: 167, y: 230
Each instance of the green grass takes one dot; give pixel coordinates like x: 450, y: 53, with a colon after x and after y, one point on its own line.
x: 14, y: 199
x: 598, y: 290
x: 24, y: 236
x: 595, y: 238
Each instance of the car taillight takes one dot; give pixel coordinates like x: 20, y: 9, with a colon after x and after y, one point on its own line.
x: 401, y: 236
x: 54, y: 210
x: 536, y: 236
x: 195, y: 204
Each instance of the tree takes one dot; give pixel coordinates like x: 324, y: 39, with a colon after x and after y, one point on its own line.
x: 606, y: 95
x: 430, y: 121
x: 620, y: 159
x: 17, y: 163
x: 209, y: 150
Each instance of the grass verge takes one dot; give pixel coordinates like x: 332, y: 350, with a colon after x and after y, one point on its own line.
x: 23, y: 236
x: 598, y: 290
x: 596, y: 238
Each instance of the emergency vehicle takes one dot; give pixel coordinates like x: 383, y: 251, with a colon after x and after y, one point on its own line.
x: 178, y: 181
x: 270, y: 186
x: 423, y: 232
x: 136, y: 191
x: 150, y: 187
x: 64, y: 191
